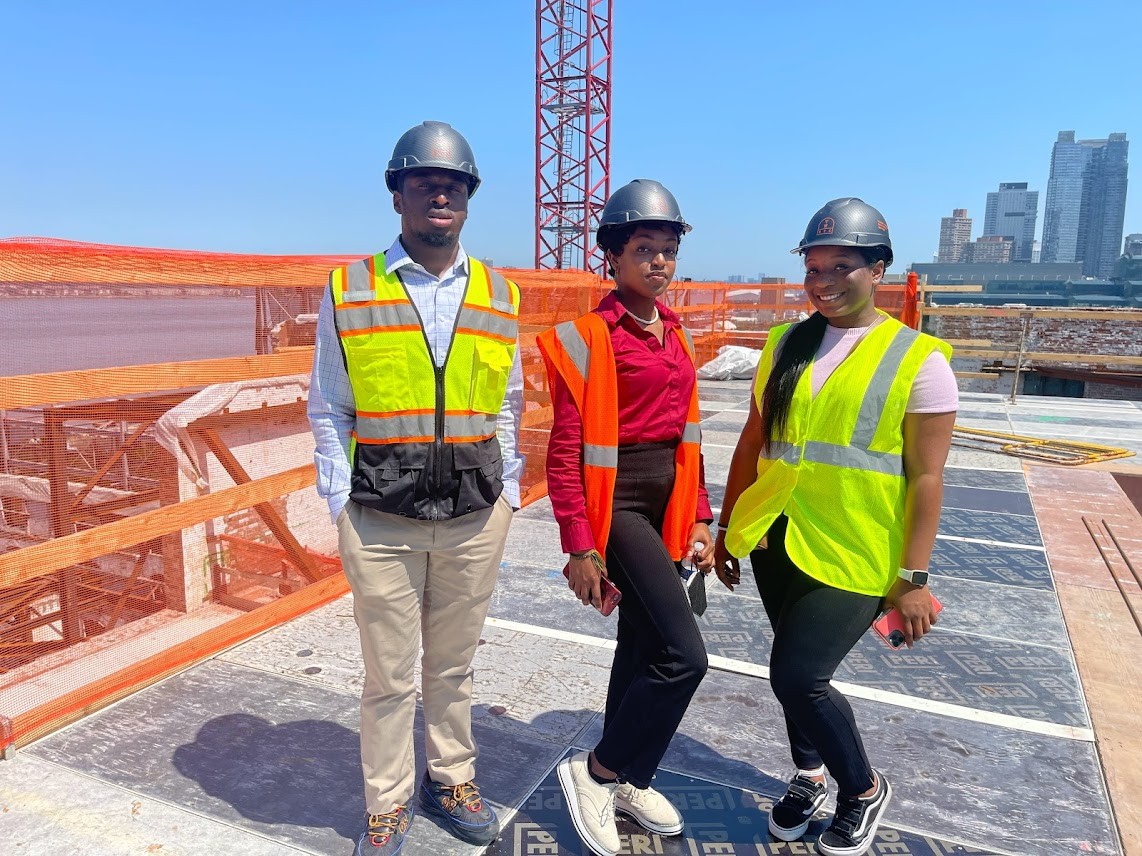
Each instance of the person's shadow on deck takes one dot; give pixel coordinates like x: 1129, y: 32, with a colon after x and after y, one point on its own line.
x: 304, y: 773
x: 307, y: 773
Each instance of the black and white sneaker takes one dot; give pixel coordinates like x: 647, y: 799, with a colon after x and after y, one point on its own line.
x: 854, y: 825
x: 790, y: 815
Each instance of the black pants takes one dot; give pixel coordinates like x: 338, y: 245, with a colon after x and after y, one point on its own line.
x: 814, y: 627
x: 660, y: 657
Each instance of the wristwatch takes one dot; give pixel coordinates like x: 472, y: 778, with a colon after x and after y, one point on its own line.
x: 917, y: 578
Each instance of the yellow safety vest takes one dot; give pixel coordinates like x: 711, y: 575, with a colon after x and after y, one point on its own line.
x: 424, y: 444
x: 838, y: 473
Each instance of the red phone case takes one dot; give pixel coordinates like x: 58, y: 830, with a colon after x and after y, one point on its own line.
x: 610, y: 593
x: 890, y: 628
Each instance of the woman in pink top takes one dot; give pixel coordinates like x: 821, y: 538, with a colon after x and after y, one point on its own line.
x: 842, y: 512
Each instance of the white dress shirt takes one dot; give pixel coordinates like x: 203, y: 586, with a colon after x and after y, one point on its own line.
x: 332, y: 411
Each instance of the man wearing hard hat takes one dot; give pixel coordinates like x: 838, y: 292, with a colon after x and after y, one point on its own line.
x: 415, y: 404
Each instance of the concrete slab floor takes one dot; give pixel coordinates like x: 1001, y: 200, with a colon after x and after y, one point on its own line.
x: 255, y: 752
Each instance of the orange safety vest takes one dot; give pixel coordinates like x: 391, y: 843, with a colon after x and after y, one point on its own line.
x: 580, y: 352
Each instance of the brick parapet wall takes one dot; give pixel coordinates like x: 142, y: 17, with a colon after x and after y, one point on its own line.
x: 1111, y: 336
x: 1107, y: 336
x: 1111, y: 391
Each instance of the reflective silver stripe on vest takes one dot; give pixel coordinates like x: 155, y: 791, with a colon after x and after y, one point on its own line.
x: 501, y: 291
x: 370, y: 317
x: 397, y: 425
x: 689, y: 341
x: 692, y: 433
x: 876, y: 396
x: 358, y: 278
x: 601, y: 456
x: 486, y: 322
x: 850, y: 457
x: 575, y: 346
x: 857, y: 455
x: 475, y: 425
x: 854, y: 458
x: 400, y: 425
x: 786, y: 452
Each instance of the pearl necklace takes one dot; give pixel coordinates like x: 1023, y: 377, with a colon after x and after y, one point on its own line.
x: 646, y: 322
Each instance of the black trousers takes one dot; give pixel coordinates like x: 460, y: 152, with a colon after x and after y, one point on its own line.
x: 814, y: 627
x: 660, y: 657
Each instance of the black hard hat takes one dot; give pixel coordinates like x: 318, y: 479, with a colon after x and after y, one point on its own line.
x: 846, y: 222
x: 643, y: 200
x: 433, y: 144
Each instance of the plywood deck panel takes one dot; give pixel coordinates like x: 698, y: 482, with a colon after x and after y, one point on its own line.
x: 1106, y: 641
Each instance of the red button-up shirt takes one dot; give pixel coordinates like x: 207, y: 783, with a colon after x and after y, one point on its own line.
x: 654, y: 387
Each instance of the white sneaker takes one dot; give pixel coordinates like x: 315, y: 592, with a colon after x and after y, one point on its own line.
x: 592, y: 806
x: 648, y: 808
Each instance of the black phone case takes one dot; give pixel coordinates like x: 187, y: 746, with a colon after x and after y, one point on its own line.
x: 695, y: 583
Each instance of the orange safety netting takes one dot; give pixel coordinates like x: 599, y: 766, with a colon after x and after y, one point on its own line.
x: 156, y: 477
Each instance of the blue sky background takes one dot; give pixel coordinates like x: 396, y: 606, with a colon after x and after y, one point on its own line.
x: 265, y: 126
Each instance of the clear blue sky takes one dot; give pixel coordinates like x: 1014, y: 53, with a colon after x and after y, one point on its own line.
x: 265, y: 126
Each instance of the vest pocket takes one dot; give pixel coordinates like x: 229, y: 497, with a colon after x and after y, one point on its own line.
x: 484, y: 455
x: 391, y: 477
x: 380, y: 376
x: 479, y: 471
x: 491, y: 365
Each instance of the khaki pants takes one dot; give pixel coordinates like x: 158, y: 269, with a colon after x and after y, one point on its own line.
x: 418, y: 583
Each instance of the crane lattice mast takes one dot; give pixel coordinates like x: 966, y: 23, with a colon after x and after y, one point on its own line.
x: 572, y: 130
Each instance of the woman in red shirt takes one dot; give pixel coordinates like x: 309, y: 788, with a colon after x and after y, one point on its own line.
x: 624, y: 474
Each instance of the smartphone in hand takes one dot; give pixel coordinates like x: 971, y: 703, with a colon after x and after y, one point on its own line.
x: 695, y: 582
x: 890, y: 627
x: 608, y: 590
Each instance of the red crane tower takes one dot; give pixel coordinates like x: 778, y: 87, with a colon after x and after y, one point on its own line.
x: 572, y: 130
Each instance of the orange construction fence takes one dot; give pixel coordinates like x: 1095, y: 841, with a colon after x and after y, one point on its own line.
x: 156, y: 476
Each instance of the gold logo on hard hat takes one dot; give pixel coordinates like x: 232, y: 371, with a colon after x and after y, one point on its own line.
x: 826, y: 226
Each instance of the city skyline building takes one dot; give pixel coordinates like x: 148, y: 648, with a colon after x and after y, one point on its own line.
x: 955, y: 234
x: 989, y: 249
x: 1085, y: 208
x: 1132, y: 245
x: 1013, y: 211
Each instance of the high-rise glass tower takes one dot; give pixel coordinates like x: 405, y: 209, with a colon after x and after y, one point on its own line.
x: 1064, y: 199
x: 1012, y: 211
x: 1086, y: 202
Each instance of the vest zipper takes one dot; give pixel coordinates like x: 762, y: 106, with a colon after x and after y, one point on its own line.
x: 436, y: 463
x: 438, y: 443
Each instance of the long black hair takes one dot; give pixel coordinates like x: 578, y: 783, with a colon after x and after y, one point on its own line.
x: 796, y: 352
